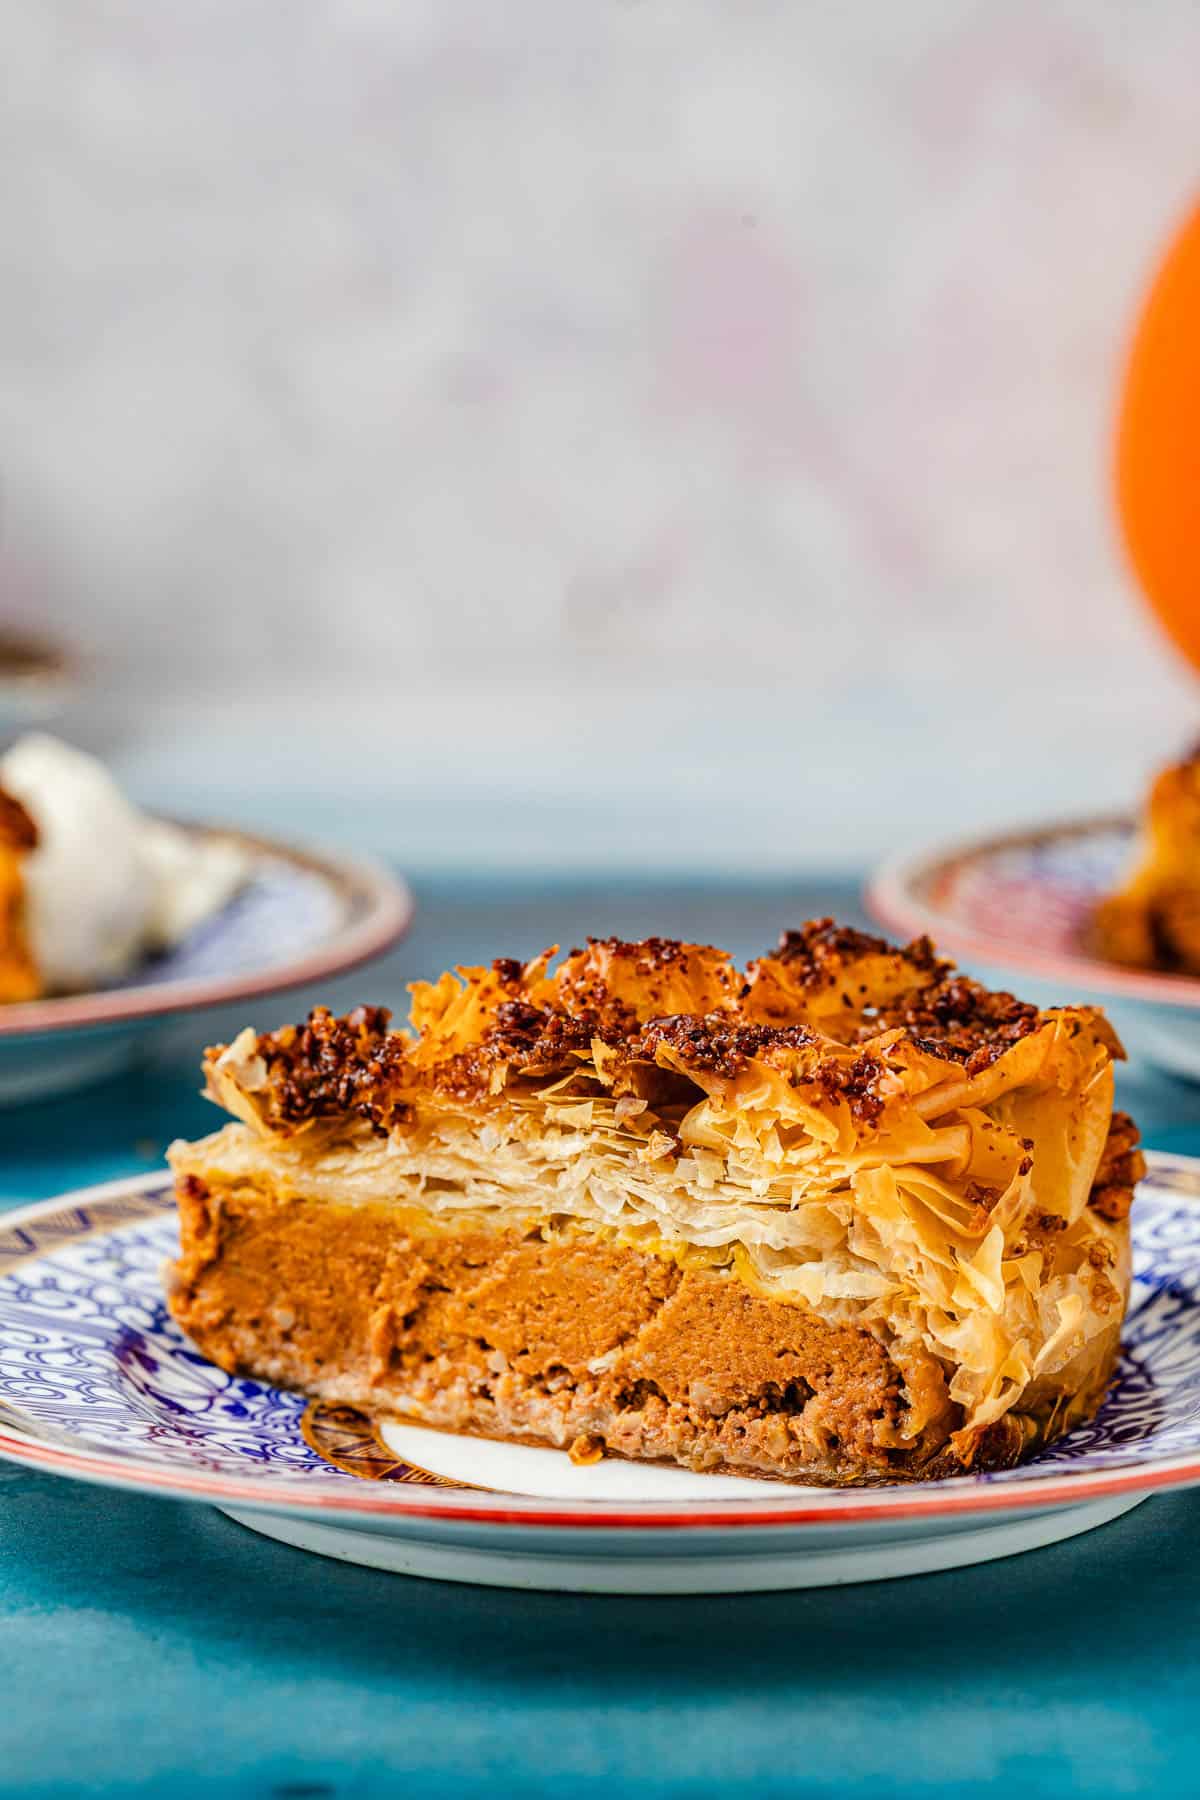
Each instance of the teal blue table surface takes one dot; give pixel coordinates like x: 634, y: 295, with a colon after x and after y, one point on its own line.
x: 148, y: 1647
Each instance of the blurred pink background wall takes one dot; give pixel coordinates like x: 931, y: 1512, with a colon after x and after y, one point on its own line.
x: 647, y: 433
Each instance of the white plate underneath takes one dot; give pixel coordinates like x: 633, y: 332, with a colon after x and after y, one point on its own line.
x: 696, y: 1568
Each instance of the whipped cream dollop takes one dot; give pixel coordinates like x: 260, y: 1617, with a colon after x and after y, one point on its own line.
x: 106, y: 886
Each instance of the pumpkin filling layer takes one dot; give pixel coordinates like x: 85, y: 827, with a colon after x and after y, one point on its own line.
x: 560, y: 1339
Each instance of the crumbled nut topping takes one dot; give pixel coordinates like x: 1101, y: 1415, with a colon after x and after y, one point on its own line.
x: 1122, y: 1166
x: 823, y: 948
x: 714, y: 1043
x: 959, y: 1018
x: 330, y: 1066
x: 671, y: 1010
x: 857, y: 1083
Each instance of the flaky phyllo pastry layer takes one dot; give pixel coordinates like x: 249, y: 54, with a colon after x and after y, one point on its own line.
x: 875, y: 1146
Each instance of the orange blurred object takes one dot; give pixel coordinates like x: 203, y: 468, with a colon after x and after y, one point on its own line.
x: 1158, y: 444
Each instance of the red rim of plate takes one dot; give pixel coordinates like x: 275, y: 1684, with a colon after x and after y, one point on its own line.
x: 844, y: 1506
x: 895, y: 895
x: 379, y: 908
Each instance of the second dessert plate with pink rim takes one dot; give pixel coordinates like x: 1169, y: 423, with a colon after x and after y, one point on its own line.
x: 1015, y: 909
x: 97, y: 1384
x: 300, y: 917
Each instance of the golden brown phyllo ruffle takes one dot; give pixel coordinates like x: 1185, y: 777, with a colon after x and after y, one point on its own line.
x: 19, y: 978
x: 1152, y: 921
x: 842, y: 1216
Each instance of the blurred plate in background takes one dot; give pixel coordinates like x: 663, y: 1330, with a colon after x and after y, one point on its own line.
x: 1015, y: 909
x: 300, y: 918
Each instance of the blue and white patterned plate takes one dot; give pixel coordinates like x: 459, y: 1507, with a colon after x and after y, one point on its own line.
x: 97, y: 1383
x: 299, y: 918
x: 1016, y: 908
